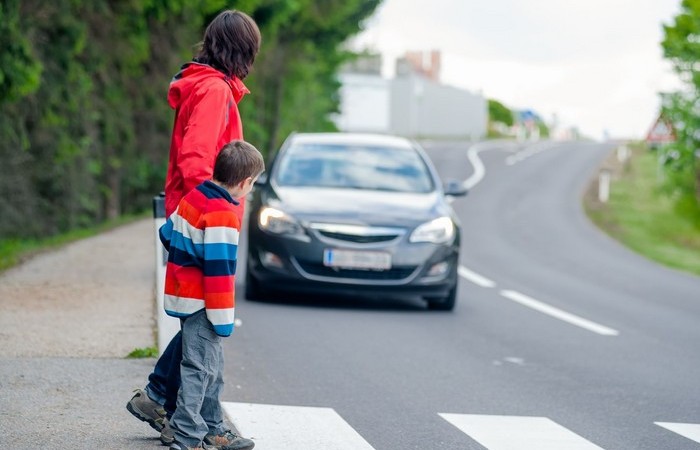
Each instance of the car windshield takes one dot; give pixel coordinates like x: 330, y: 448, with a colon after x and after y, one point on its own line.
x: 354, y: 167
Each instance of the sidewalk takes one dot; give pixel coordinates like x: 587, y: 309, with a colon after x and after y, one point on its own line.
x: 67, y: 320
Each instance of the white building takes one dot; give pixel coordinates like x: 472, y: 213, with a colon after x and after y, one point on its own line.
x: 413, y: 104
x: 424, y: 108
x: 365, y: 103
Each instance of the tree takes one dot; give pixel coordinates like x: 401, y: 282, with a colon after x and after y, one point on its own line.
x: 681, y: 45
x: 500, y: 120
x: 499, y: 113
x: 20, y: 73
x: 84, y: 122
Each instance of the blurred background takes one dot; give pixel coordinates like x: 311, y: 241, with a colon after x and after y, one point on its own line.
x: 85, y: 126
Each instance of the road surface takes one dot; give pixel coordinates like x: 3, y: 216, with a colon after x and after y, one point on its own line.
x: 561, y: 338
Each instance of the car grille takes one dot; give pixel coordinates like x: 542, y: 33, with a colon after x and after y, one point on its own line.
x: 357, y: 234
x: 395, y: 273
x: 358, y: 239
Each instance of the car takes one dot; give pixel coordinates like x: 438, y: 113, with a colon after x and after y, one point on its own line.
x: 353, y: 214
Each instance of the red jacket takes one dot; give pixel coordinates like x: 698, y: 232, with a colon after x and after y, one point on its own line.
x: 206, y: 118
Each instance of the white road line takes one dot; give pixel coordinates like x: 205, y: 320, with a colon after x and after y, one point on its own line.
x: 518, y: 433
x: 479, y: 169
x: 530, y: 150
x: 473, y: 157
x: 475, y: 277
x: 275, y: 427
x: 688, y: 430
x: 559, y: 314
x: 477, y: 176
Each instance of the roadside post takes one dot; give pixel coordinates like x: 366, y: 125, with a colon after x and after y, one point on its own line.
x: 167, y: 326
x: 604, y: 185
x: 623, y: 153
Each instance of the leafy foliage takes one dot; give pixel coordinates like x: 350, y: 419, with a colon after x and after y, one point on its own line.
x: 681, y: 45
x: 19, y: 70
x: 84, y: 122
x: 499, y: 113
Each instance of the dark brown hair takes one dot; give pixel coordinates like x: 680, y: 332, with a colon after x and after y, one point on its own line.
x: 237, y: 161
x: 231, y: 42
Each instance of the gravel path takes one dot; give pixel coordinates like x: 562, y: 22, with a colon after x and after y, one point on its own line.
x: 67, y: 319
x: 92, y: 298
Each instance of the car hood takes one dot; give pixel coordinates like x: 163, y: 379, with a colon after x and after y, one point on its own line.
x: 358, y: 206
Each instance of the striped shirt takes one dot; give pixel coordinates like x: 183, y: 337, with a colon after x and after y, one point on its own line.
x: 201, y: 237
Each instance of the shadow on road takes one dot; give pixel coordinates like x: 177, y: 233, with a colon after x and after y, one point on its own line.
x: 340, y: 301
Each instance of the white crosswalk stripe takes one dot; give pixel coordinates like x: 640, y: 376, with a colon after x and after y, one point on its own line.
x: 688, y: 430
x: 518, y: 433
x: 275, y: 427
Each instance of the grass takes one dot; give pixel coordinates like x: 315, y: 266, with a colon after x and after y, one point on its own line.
x: 650, y: 222
x: 146, y: 352
x: 15, y: 251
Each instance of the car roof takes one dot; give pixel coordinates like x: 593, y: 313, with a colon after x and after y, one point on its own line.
x: 352, y: 138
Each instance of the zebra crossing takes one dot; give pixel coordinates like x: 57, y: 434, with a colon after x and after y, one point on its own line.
x: 275, y: 427
x: 294, y: 427
x: 523, y: 432
x: 689, y: 430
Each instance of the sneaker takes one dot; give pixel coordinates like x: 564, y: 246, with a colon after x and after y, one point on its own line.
x: 228, y: 440
x: 167, y: 436
x: 178, y: 446
x: 145, y: 409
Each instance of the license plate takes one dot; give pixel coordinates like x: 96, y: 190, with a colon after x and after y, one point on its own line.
x: 352, y: 259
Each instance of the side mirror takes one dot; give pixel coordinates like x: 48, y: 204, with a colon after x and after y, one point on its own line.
x: 454, y: 188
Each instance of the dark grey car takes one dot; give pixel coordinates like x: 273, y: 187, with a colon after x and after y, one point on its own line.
x: 353, y: 214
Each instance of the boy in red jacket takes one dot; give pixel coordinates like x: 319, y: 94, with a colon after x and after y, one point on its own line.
x: 201, y: 237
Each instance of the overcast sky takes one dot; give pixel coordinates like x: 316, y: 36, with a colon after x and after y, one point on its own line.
x: 596, y: 64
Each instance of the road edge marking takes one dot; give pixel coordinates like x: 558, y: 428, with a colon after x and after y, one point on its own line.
x: 475, y: 277
x: 560, y: 314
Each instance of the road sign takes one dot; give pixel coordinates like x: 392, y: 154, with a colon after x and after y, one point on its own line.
x: 661, y: 132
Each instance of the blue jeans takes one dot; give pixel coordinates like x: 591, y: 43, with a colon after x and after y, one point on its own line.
x: 198, y: 410
x: 164, y: 382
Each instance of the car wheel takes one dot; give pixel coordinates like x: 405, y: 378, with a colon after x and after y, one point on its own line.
x: 253, y: 291
x: 444, y: 303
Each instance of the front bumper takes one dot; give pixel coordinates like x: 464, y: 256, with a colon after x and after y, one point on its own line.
x: 298, y: 267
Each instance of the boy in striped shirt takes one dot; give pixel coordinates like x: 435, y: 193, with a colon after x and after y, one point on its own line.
x: 201, y: 237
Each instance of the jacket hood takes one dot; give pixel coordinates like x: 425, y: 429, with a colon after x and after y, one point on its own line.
x: 191, y: 74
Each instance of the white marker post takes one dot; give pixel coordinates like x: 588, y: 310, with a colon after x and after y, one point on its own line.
x: 604, y: 185
x: 623, y: 153
x: 167, y: 326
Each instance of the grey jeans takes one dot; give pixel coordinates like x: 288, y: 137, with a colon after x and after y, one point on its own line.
x: 198, y: 411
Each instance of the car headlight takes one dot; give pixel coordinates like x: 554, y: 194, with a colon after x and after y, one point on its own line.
x: 278, y: 222
x: 438, y: 231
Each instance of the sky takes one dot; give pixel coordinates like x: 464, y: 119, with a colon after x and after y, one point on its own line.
x: 593, y: 64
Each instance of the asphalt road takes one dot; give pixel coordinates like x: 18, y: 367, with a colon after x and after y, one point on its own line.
x: 561, y: 339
